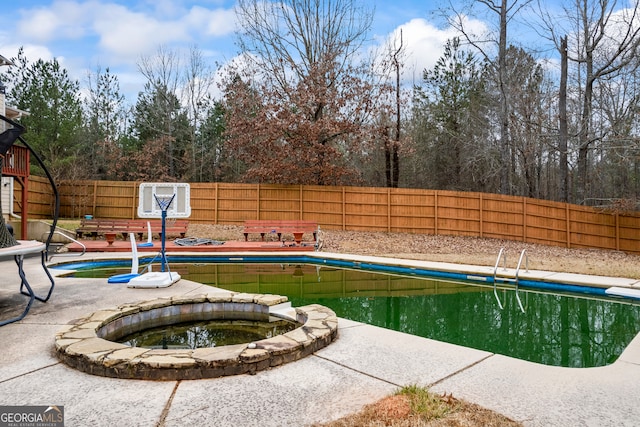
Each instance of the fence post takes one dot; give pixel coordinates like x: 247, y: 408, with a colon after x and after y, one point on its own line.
x: 524, y: 219
x: 481, y: 215
x: 258, y: 201
x: 568, y: 224
x: 95, y: 195
x: 215, y: 206
x: 344, y: 210
x: 435, y: 212
x: 388, y: 210
x: 617, y: 231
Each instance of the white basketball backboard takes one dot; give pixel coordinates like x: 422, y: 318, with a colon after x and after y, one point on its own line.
x: 148, y: 206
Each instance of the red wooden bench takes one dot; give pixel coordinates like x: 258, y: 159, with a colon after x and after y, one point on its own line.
x: 279, y: 227
x: 112, y: 227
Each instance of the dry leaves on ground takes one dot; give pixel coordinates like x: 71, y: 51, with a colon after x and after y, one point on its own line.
x: 397, y: 411
x: 458, y: 250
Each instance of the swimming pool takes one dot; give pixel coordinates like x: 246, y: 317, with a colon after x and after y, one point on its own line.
x: 562, y: 328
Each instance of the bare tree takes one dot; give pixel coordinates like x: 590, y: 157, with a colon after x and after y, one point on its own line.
x: 163, y: 68
x: 391, y: 151
x: 162, y: 72
x: 614, y: 177
x: 290, y: 39
x: 528, y: 119
x: 198, y: 83
x: 494, y: 50
x: 563, y: 128
x: 604, y: 37
x: 295, y: 111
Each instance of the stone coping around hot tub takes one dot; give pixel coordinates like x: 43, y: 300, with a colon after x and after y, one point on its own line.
x: 82, y: 344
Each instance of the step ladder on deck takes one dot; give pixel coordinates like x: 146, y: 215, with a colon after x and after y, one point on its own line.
x: 502, y: 256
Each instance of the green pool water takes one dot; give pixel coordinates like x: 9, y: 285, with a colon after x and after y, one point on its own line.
x: 206, y: 334
x: 555, y: 329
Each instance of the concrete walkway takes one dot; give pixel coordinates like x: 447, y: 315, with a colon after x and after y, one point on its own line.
x: 363, y: 365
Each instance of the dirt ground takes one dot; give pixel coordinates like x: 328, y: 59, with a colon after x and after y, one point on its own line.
x: 457, y: 249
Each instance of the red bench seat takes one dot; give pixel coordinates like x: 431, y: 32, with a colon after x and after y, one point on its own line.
x: 279, y: 227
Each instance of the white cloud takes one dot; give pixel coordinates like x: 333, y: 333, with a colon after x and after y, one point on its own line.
x: 40, y: 27
x: 218, y: 22
x: 130, y: 34
x: 424, y: 44
x: 164, y: 7
x: 208, y: 22
x: 122, y: 32
x: 62, y: 20
x: 30, y: 51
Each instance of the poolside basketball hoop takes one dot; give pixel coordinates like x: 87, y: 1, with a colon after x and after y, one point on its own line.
x: 171, y: 198
x: 161, y: 200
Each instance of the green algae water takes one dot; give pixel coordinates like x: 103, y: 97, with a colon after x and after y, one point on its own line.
x: 555, y: 329
x: 207, y: 334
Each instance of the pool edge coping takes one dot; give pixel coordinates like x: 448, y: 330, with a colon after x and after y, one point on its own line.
x: 437, y: 266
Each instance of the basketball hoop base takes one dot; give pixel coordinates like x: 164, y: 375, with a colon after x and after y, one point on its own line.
x: 159, y: 279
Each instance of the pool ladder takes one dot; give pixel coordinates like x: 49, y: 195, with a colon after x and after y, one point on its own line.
x: 515, y: 280
x: 55, y: 253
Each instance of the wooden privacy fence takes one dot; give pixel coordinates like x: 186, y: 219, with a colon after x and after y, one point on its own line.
x: 399, y: 210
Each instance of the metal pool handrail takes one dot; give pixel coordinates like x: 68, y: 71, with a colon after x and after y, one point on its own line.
x: 502, y: 255
x: 84, y: 248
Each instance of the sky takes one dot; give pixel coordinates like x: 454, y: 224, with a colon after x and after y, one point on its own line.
x: 87, y: 35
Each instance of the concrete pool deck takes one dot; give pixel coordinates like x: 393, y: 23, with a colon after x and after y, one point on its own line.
x: 364, y: 364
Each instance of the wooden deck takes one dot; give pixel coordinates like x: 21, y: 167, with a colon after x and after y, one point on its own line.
x: 170, y: 246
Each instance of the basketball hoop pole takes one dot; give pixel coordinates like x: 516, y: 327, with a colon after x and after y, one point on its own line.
x: 164, y: 205
x: 161, y: 200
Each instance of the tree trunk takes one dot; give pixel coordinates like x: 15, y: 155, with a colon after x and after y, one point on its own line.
x: 505, y: 184
x: 387, y: 156
x: 563, y: 128
x: 584, y: 135
x: 395, y: 160
x: 396, y: 166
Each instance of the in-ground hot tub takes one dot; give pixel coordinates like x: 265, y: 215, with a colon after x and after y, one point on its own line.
x: 88, y: 344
